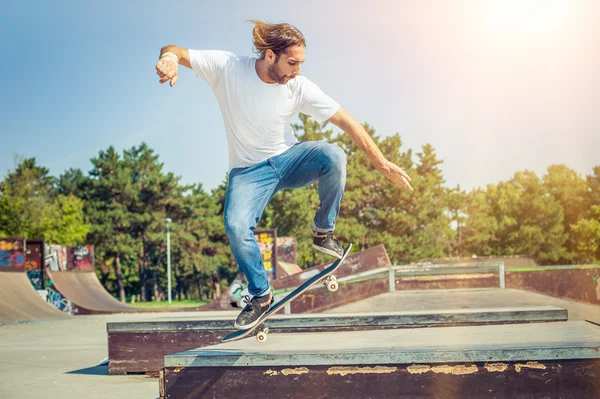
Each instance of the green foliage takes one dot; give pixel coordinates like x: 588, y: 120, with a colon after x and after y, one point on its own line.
x: 570, y: 190
x: 530, y: 221
x: 128, y: 198
x: 67, y: 225
x: 32, y: 208
x: 480, y: 225
x: 121, y: 205
x: 593, y: 182
x: 586, y: 236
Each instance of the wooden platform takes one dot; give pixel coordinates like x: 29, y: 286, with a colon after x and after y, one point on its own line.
x: 537, y: 360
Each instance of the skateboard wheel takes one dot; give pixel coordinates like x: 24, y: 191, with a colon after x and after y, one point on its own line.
x: 332, y: 278
x: 332, y: 286
x: 266, y: 330
x: 261, y: 336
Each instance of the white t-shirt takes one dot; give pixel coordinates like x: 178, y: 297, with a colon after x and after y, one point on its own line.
x: 257, y: 115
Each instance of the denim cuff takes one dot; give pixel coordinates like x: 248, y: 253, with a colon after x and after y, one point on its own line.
x: 265, y: 292
x: 319, y: 230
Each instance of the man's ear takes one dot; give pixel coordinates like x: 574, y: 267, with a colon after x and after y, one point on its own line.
x: 270, y: 56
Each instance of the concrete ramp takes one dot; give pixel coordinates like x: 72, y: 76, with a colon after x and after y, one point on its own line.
x: 86, y: 293
x: 81, y: 293
x: 20, y: 302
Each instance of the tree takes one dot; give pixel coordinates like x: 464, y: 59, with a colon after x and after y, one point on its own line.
x: 32, y: 208
x: 153, y: 194
x: 200, y: 254
x: 593, y: 181
x: 109, y: 196
x: 571, y: 192
x: 481, y: 226
x: 432, y: 235
x: 456, y: 202
x: 530, y: 222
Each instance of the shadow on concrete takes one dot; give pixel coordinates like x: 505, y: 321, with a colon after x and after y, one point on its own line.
x: 96, y: 370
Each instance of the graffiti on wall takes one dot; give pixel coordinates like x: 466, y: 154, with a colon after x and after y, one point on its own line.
x: 37, y: 279
x: 286, y: 249
x: 33, y: 263
x: 12, y: 254
x: 55, y: 258
x: 266, y: 240
x: 81, y: 258
x: 56, y: 299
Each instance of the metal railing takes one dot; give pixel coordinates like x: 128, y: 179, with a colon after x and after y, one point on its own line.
x: 443, y: 269
x: 429, y: 269
x: 418, y: 270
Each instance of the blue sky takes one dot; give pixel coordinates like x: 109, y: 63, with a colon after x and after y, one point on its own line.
x: 495, y: 86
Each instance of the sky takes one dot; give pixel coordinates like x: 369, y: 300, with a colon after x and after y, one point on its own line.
x: 496, y: 86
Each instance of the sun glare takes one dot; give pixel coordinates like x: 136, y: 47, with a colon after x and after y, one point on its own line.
x: 526, y: 15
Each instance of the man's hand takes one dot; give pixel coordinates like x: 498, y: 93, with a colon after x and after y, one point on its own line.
x: 167, y: 69
x: 395, y: 174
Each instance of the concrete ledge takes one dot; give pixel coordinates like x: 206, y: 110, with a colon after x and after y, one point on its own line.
x: 372, y: 319
x: 531, y: 361
x: 512, y: 342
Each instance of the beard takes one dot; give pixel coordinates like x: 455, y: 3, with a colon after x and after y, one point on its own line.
x: 275, y: 74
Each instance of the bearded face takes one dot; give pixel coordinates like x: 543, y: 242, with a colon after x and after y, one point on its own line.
x: 286, y: 65
x: 275, y: 73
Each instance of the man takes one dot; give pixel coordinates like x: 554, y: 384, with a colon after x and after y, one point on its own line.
x: 258, y: 99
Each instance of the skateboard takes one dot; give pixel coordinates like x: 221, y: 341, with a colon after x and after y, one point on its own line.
x: 326, y: 277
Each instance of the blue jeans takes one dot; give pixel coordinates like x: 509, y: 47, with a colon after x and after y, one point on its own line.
x: 250, y: 190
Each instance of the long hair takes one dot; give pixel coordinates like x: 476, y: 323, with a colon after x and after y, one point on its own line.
x: 275, y: 37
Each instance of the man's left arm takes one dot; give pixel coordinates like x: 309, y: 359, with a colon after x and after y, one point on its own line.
x: 365, y: 143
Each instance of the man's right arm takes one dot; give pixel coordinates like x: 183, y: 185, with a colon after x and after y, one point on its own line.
x: 182, y: 53
x: 208, y: 64
x: 169, y: 59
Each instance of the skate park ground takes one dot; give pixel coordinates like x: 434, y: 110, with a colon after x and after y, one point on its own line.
x: 58, y: 358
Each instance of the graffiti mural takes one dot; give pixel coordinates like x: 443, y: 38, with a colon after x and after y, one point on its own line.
x: 266, y: 240
x: 55, y: 258
x: 37, y: 279
x: 12, y: 254
x: 56, y: 299
x: 81, y: 258
x: 34, y: 251
x: 286, y: 249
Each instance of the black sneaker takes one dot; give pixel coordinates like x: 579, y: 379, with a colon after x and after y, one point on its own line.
x: 256, y: 307
x: 327, y: 243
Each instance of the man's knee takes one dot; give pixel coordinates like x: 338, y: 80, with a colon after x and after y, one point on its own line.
x: 335, y: 156
x: 236, y: 227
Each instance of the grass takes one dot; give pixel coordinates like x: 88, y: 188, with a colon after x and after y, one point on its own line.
x: 190, y: 303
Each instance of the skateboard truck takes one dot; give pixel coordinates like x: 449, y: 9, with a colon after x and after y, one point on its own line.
x: 331, y: 283
x: 262, y: 333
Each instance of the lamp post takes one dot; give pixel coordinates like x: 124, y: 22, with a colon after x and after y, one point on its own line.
x: 169, y: 259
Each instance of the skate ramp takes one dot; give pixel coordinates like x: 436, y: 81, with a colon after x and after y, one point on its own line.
x: 20, y: 302
x: 86, y: 293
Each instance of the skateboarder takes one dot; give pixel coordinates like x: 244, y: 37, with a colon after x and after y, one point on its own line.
x: 258, y: 98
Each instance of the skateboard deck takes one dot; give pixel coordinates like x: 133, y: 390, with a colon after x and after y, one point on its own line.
x: 326, y: 276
